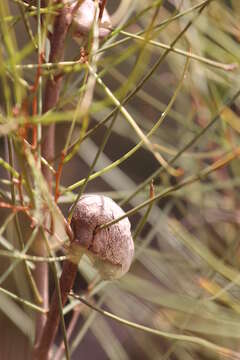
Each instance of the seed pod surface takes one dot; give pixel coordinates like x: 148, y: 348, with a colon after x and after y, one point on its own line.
x: 110, y: 249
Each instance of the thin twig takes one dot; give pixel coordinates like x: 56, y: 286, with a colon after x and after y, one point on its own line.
x: 225, y: 352
x: 227, y: 158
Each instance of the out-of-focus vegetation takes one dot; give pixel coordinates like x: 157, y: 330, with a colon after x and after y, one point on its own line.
x: 151, y: 117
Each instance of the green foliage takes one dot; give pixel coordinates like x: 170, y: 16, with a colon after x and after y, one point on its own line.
x: 157, y: 100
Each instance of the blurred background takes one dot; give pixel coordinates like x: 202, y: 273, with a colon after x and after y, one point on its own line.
x: 178, y: 62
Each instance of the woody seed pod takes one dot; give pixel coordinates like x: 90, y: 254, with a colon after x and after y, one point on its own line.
x: 110, y: 249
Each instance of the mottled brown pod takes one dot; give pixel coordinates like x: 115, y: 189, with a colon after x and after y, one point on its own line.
x: 110, y: 249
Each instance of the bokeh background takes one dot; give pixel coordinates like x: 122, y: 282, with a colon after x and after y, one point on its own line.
x: 185, y: 276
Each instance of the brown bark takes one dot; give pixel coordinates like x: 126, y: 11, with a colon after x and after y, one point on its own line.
x: 52, y: 92
x: 67, y: 279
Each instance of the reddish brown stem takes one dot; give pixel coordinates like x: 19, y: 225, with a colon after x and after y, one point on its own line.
x: 102, y: 5
x: 52, y: 91
x: 14, y: 208
x: 71, y: 327
x: 76, y: 314
x: 67, y: 279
